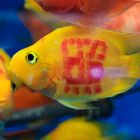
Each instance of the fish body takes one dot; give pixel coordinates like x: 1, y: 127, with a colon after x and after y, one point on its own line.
x: 129, y: 21
x: 74, y: 66
x: 80, y: 129
x: 6, y: 96
x: 85, y: 12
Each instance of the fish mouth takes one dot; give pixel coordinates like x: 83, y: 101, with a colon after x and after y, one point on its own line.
x: 31, y: 81
x: 36, y: 84
x: 15, y: 81
x: 38, y: 79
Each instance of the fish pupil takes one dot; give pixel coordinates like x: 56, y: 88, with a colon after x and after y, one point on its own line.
x: 13, y: 86
x: 30, y: 57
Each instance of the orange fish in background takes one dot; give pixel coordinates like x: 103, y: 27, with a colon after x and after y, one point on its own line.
x: 86, y: 12
x: 10, y: 99
x: 37, y: 28
x: 31, y: 99
x: 127, y: 22
x: 6, y: 97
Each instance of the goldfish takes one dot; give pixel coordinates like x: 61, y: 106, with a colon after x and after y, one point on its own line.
x: 32, y: 8
x: 36, y: 20
x: 129, y: 21
x: 75, y: 66
x: 6, y: 96
x: 79, y: 128
x: 87, y: 13
x: 36, y: 27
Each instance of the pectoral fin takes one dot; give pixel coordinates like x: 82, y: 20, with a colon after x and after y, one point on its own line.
x: 77, y: 105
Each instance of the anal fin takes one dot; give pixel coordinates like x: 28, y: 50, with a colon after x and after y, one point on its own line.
x: 77, y: 105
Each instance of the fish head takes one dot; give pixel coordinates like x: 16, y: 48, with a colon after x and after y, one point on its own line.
x: 28, y: 65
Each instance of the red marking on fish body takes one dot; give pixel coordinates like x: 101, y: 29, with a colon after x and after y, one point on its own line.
x: 93, y: 65
x: 76, y: 90
x: 64, y: 46
x: 95, y: 44
x: 87, y: 89
x: 90, y: 55
x: 98, y: 88
x: 80, y: 54
x: 81, y: 67
x: 102, y: 43
x: 79, y: 43
x: 86, y: 41
x: 73, y: 61
x: 101, y: 56
x: 67, y: 88
x: 89, y: 64
x: 72, y: 41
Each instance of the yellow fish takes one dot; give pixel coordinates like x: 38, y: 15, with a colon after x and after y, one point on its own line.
x: 80, y: 129
x: 6, y: 96
x: 75, y: 66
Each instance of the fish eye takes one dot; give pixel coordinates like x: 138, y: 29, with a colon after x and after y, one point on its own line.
x: 31, y: 57
x: 13, y: 85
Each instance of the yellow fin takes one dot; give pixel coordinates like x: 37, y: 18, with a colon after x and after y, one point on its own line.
x: 122, y: 85
x: 32, y: 5
x: 134, y: 66
x: 77, y: 105
x: 128, y: 43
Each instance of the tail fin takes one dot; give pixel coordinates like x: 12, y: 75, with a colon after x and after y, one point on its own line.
x: 77, y: 105
x: 134, y: 66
